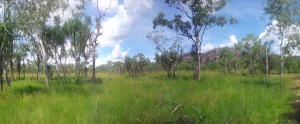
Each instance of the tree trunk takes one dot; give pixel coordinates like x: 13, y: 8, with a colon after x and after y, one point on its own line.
x: 77, y: 66
x: 235, y: 69
x: 226, y: 66
x: 19, y: 67
x: 38, y: 76
x: 1, y: 72
x: 46, y: 72
x: 57, y: 69
x: 198, y: 61
x: 289, y: 63
x: 267, y: 66
x: 44, y: 57
x: 94, y: 69
x: 6, y: 76
x: 24, y: 69
x: 281, y: 64
x: 251, y: 67
x: 63, y: 68
x: 12, y: 70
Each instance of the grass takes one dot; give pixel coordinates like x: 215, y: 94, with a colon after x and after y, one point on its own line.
x: 148, y: 99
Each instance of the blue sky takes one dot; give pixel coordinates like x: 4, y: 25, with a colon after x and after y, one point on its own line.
x: 127, y: 23
x: 249, y: 14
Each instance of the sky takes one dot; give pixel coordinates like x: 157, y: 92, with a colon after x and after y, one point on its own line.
x: 129, y: 21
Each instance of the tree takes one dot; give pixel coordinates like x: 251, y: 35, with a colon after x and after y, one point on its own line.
x: 252, y: 52
x: 237, y: 55
x: 135, y: 65
x: 78, y: 33
x: 33, y: 17
x: 267, y: 46
x: 226, y: 56
x: 200, y: 16
x: 21, y: 50
x: 7, y: 36
x: 129, y: 65
x: 141, y: 62
x: 169, y: 51
x: 286, y: 13
x: 55, y: 41
x: 35, y: 52
x: 94, y: 39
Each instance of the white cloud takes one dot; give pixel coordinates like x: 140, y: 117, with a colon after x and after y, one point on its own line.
x: 117, y: 54
x: 65, y: 14
x: 232, y: 40
x: 120, y: 25
x: 110, y: 6
x: 207, y: 47
x: 1, y: 10
x: 271, y: 34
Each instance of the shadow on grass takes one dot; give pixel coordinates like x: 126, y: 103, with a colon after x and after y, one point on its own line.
x: 28, y: 90
x: 294, y: 116
x: 295, y: 88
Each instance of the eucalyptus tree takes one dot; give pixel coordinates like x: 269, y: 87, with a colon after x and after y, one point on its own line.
x: 20, y: 50
x: 55, y: 40
x: 34, y: 15
x: 169, y: 51
x: 237, y: 55
x: 141, y: 62
x: 36, y: 54
x: 196, y: 17
x: 94, y: 37
x: 118, y: 67
x: 252, y: 52
x: 267, y: 46
x: 286, y: 13
x: 7, y: 51
x: 7, y: 36
x: 129, y: 65
x: 226, y: 55
x: 77, y: 31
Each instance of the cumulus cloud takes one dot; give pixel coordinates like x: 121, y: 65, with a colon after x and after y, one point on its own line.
x: 110, y: 6
x: 271, y: 31
x: 117, y: 54
x: 1, y: 10
x: 120, y: 25
x: 64, y: 14
x: 232, y: 40
x: 207, y: 47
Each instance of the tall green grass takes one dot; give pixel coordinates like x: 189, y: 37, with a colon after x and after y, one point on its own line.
x: 148, y: 99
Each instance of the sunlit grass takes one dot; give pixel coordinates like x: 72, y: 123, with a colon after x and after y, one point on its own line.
x: 148, y: 99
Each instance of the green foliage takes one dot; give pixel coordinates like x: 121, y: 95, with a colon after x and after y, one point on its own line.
x: 136, y: 65
x: 200, y: 16
x: 169, y: 51
x: 150, y: 99
x: 284, y: 11
x: 78, y: 32
x: 226, y: 57
x: 253, y: 52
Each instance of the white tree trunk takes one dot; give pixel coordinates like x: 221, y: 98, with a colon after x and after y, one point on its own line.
x: 44, y: 61
x: 6, y: 76
x: 56, y: 66
x: 281, y: 64
x: 267, y: 66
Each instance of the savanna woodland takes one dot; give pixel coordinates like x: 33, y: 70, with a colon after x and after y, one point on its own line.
x: 61, y: 61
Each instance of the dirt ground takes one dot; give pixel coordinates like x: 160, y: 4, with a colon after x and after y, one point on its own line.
x: 296, y: 103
